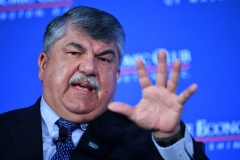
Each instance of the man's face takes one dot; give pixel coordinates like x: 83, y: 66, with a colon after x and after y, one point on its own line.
x: 74, y: 55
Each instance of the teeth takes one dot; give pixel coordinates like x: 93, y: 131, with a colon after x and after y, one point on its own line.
x: 82, y: 85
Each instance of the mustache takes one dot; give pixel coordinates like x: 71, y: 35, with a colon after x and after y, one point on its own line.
x: 87, y: 79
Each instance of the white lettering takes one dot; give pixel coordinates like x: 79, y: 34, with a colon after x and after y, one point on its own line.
x: 129, y: 61
x: 211, y: 146
x: 3, y: 2
x: 3, y: 16
x: 12, y: 15
x: 155, y: 54
x: 190, y: 128
x: 200, y: 132
x: 220, y: 146
x: 185, y: 56
x: 39, y: 13
x: 204, y: 128
x: 127, y: 79
x: 56, y: 11
x: 236, y: 145
x: 15, y: 2
x: 193, y: 1
x: 171, y: 2
x: 225, y: 145
x: 29, y: 14
x: 168, y: 2
x: 235, y: 127
x: 185, y: 74
x: 135, y: 77
x: 150, y: 59
x: 46, y: 1
x: 146, y: 58
x: 205, y: 1
x: 174, y: 56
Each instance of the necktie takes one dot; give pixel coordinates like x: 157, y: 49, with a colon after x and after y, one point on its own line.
x: 64, y: 149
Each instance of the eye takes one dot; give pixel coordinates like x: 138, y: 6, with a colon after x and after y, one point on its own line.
x: 103, y: 60
x: 74, y: 53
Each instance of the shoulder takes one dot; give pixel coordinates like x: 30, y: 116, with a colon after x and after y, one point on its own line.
x: 12, y: 116
x: 7, y: 117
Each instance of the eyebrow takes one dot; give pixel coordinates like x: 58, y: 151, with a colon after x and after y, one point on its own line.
x: 108, y: 51
x: 76, y: 45
x: 80, y: 47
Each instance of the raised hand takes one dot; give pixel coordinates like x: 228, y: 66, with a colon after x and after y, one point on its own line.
x: 160, y: 108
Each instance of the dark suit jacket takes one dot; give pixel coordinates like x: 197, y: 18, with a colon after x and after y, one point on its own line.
x: 116, y: 136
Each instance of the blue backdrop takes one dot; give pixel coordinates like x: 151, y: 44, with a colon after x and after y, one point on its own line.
x: 203, y: 34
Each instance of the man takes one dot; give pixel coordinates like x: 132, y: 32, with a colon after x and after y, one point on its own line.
x: 79, y: 68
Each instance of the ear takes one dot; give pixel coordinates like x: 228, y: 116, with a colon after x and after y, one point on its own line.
x: 42, y: 62
x: 118, y: 73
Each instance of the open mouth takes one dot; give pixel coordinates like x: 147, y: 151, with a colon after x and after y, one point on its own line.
x: 83, y: 82
x: 83, y: 86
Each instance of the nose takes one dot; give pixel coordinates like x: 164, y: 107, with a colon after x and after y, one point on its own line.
x: 88, y: 66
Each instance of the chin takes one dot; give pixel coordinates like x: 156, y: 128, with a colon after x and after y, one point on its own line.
x: 84, y: 115
x: 80, y: 109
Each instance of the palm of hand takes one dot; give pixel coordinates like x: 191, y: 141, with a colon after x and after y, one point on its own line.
x: 160, y: 108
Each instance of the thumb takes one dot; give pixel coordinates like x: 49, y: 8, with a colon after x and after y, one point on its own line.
x: 121, y: 108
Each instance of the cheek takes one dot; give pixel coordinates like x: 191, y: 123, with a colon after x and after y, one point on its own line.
x: 57, y: 75
x: 60, y: 76
x: 108, y: 82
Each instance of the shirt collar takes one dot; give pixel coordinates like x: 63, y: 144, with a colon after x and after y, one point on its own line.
x: 48, y: 115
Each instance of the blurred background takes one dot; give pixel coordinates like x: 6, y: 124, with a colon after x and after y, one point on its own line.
x: 203, y: 34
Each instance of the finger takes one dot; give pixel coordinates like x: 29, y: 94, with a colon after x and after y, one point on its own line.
x: 121, y: 108
x: 161, y: 69
x: 187, y: 93
x: 173, y: 80
x: 144, y: 80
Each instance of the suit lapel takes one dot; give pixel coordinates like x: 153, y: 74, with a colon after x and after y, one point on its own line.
x: 100, y: 136
x: 26, y: 134
x: 97, y: 141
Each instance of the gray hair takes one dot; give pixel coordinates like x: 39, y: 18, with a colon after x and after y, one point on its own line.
x: 95, y: 23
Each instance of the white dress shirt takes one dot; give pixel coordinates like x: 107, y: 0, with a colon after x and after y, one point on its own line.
x: 50, y: 130
x: 178, y: 151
